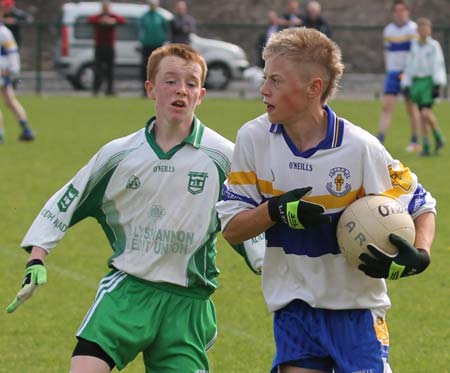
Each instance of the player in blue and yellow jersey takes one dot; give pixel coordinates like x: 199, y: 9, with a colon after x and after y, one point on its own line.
x: 397, y: 38
x: 10, y: 68
x: 154, y: 194
x: 294, y: 170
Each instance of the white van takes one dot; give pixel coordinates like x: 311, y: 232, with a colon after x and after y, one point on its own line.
x: 75, y: 55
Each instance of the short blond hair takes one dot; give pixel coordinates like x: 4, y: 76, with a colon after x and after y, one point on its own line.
x: 422, y: 21
x: 312, y: 51
x: 183, y: 51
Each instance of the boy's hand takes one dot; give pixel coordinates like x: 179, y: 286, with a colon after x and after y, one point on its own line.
x: 436, y: 91
x: 291, y: 210
x: 35, y: 275
x: 409, y: 260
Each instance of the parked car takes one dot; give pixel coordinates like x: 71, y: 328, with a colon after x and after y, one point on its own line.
x: 75, y: 55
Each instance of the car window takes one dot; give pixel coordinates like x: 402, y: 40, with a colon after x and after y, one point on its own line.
x: 128, y: 31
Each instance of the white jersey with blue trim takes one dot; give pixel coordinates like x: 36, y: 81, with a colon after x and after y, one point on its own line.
x: 397, y: 44
x: 9, y: 52
x: 425, y: 60
x: 349, y: 163
x: 157, y: 209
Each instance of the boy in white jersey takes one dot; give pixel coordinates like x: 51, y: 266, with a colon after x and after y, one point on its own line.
x: 10, y: 68
x: 154, y: 193
x: 397, y: 37
x: 294, y: 170
x: 424, y: 75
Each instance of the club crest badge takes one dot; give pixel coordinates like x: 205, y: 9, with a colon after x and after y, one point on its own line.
x: 196, y: 182
x: 68, y: 197
x: 133, y: 182
x: 339, y: 185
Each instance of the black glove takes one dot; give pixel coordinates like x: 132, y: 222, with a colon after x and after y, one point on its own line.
x: 435, y: 92
x: 409, y: 260
x: 407, y: 93
x: 296, y: 213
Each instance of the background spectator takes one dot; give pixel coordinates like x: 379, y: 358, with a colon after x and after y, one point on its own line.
x: 182, y: 24
x: 313, y: 18
x: 153, y: 31
x: 105, y: 36
x: 273, y: 25
x: 14, y: 17
x: 292, y: 17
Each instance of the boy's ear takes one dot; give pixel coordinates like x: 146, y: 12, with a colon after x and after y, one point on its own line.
x: 315, y: 88
x: 149, y: 89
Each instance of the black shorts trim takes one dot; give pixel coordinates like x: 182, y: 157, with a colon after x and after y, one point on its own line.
x: 426, y: 106
x: 88, y: 348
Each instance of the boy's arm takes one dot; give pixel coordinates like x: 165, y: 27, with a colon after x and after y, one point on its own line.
x: 248, y: 224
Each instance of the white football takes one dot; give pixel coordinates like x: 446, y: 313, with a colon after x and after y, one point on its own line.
x: 371, y: 219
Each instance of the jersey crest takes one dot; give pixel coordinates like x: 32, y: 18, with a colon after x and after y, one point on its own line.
x: 196, y: 182
x: 339, y: 184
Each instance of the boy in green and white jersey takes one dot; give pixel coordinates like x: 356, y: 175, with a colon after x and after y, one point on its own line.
x: 154, y: 194
x: 424, y: 75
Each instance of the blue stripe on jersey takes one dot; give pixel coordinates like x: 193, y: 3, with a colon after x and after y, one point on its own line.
x: 312, y: 242
x: 399, y: 47
x: 418, y: 199
x: 227, y: 194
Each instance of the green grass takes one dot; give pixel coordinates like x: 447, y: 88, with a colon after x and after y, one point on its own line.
x: 40, y: 336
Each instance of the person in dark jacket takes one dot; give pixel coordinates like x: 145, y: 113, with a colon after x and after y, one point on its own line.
x: 313, y: 18
x: 182, y: 24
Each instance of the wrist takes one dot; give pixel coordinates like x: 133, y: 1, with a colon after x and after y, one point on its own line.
x: 33, y: 262
x: 274, y: 209
x: 425, y: 259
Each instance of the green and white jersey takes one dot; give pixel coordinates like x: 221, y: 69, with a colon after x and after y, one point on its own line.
x: 157, y: 209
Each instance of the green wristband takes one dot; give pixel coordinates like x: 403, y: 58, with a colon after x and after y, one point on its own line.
x: 395, y: 271
x: 291, y: 214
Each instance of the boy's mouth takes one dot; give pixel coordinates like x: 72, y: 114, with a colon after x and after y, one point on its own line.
x: 179, y: 103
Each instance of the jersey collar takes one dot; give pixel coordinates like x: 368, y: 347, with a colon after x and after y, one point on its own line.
x: 194, y: 138
x: 333, y: 139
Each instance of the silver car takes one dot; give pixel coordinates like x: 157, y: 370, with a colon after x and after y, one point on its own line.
x: 75, y: 55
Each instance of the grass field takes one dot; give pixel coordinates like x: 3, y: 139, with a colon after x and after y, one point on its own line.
x: 39, y: 337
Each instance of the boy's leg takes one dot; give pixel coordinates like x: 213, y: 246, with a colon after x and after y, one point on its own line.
x: 88, y: 364
x: 389, y: 101
x: 186, y: 333
x: 19, y: 112
x: 414, y: 121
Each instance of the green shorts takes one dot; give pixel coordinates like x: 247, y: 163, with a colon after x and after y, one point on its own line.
x: 422, y: 92
x: 130, y: 315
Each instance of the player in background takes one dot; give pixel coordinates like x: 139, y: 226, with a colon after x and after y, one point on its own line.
x: 10, y: 68
x: 424, y: 75
x: 294, y: 170
x: 397, y: 37
x: 154, y: 194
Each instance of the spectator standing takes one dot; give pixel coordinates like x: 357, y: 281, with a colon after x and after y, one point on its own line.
x: 313, y: 18
x: 10, y: 68
x: 182, y: 24
x: 273, y: 25
x: 14, y: 17
x: 105, y: 24
x: 153, y: 31
x: 424, y: 75
x: 398, y: 36
x: 292, y: 17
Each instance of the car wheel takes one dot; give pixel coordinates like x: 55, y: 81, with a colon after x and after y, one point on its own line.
x: 84, y: 79
x: 219, y: 76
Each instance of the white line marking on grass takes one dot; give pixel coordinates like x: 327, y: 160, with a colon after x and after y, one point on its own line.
x: 88, y: 282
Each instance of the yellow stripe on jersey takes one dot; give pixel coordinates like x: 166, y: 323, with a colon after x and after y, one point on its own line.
x: 401, y: 180
x: 266, y: 187
x: 10, y: 44
x: 400, y: 39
